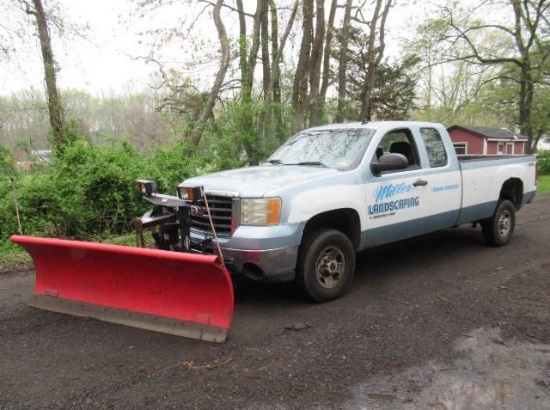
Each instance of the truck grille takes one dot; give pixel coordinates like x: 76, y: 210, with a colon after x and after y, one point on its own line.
x: 221, y: 209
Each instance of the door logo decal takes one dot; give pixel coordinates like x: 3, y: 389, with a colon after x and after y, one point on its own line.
x: 385, y: 206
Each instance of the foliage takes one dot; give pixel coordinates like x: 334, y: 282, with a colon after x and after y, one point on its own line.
x: 86, y: 191
x: 543, y: 184
x: 507, y: 49
x: 89, y: 191
x: 12, y: 256
x: 394, y: 91
x: 8, y: 168
x: 171, y: 164
x: 543, y: 161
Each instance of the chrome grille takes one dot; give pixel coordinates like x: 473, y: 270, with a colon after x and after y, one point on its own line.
x: 221, y: 209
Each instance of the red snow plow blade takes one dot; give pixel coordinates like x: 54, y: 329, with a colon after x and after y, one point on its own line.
x: 182, y: 294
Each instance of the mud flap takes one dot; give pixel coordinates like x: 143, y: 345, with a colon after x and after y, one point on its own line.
x: 183, y: 294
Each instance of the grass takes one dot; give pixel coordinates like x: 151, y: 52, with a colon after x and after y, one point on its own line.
x: 13, y: 257
x: 543, y: 184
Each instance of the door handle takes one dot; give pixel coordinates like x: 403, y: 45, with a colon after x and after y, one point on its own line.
x: 420, y: 182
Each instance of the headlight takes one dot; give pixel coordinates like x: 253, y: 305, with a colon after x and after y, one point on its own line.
x: 261, y: 211
x: 146, y: 187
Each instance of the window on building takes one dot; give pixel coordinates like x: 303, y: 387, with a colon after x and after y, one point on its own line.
x: 461, y: 148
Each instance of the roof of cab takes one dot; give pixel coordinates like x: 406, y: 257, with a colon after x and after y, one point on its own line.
x: 376, y: 125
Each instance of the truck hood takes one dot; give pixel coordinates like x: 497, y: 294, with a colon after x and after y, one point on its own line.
x: 260, y: 180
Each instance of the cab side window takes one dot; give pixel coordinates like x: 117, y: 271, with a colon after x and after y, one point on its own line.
x: 434, y: 147
x: 399, y: 142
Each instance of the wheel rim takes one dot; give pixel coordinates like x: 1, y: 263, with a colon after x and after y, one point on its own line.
x: 330, y: 267
x: 504, y: 223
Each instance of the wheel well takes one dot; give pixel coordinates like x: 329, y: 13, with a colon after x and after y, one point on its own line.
x: 344, y: 220
x: 512, y: 190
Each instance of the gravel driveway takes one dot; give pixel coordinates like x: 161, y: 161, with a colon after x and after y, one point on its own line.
x: 438, y: 322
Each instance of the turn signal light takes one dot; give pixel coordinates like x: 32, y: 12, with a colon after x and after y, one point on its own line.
x: 192, y: 194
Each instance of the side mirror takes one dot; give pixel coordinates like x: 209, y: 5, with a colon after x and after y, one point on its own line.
x: 389, y: 162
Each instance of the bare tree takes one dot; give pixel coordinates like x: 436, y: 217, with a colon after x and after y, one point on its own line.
x: 521, y: 41
x: 207, y: 112
x: 375, y: 51
x: 307, y: 92
x: 342, y: 64
x: 273, y: 92
x: 35, y: 9
x: 300, y: 85
x: 315, y: 63
x: 325, y: 79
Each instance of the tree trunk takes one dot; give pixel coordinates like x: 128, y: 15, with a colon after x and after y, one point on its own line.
x: 243, y: 44
x: 374, y: 56
x: 315, y: 64
x: 265, y: 117
x: 274, y: 86
x: 55, y: 107
x: 326, y: 59
x: 343, y: 63
x: 274, y: 89
x: 264, y: 36
x: 527, y: 90
x: 300, y: 86
x: 247, y: 58
x: 207, y: 112
x: 272, y: 95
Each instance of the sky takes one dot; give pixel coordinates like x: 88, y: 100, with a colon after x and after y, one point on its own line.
x: 103, y: 60
x: 97, y: 59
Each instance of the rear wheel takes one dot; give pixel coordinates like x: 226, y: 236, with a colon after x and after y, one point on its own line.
x: 326, y: 265
x: 498, y: 230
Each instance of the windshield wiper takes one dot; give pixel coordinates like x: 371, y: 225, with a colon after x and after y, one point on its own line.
x: 311, y: 163
x: 275, y: 161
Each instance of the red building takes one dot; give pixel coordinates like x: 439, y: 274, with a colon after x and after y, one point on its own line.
x: 472, y: 140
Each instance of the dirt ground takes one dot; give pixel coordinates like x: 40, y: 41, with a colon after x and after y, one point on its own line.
x: 438, y: 322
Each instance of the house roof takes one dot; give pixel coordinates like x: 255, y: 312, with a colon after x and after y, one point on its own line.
x: 491, y: 133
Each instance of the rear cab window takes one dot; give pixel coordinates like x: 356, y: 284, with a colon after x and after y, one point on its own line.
x: 435, y: 148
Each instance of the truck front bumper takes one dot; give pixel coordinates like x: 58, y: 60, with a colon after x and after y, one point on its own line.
x: 261, y: 253
x: 270, y: 265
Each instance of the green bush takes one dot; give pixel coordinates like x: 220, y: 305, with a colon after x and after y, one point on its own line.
x: 8, y: 167
x: 95, y: 190
x: 88, y: 191
x: 9, y: 175
x: 544, y: 162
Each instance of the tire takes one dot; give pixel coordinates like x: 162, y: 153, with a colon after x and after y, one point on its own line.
x: 498, y: 230
x: 326, y: 265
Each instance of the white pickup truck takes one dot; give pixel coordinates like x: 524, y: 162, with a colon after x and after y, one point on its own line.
x: 334, y: 190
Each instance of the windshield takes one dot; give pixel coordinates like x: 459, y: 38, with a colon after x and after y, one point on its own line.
x: 333, y: 148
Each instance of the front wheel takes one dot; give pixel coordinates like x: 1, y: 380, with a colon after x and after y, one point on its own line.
x: 498, y: 229
x: 326, y: 265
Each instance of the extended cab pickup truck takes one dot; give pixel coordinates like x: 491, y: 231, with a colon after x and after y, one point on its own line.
x: 331, y: 191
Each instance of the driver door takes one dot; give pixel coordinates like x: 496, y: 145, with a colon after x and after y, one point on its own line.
x: 397, y: 202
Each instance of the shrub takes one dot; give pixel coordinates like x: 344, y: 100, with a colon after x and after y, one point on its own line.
x: 89, y: 191
x: 544, y: 162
